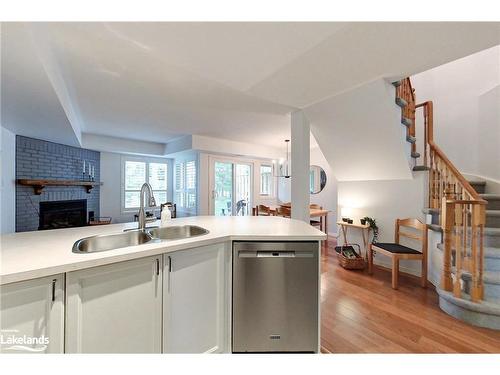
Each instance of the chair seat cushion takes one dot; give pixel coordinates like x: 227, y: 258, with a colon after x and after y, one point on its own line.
x: 395, y: 248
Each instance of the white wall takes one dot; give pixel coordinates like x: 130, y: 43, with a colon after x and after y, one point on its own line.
x: 121, y: 145
x: 466, y: 103
x: 327, y: 198
x: 360, y: 133
x: 8, y: 181
x: 211, y: 145
x: 226, y: 146
x: 384, y: 201
x: 489, y: 134
x: 110, y: 191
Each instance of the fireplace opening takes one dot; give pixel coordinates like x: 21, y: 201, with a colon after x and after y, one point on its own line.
x: 63, y: 214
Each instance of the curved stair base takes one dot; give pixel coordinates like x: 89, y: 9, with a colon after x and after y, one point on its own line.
x: 485, y: 314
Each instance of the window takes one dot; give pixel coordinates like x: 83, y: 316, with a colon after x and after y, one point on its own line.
x: 185, y: 185
x: 136, y: 172
x: 266, y: 180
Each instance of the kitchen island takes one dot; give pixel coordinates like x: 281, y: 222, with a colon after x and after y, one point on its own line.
x: 162, y: 296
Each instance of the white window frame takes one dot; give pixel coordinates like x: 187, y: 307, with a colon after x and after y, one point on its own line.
x: 272, y: 192
x: 146, y: 160
x: 184, y: 190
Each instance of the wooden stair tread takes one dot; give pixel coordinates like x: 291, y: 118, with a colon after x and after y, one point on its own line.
x: 435, y: 227
x: 489, y: 307
x: 418, y: 168
x: 490, y: 196
x: 489, y: 252
x: 401, y: 102
x: 406, y: 121
x: 410, y: 139
x: 477, y: 182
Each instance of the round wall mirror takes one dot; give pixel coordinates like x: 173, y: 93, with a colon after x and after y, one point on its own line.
x: 317, y: 179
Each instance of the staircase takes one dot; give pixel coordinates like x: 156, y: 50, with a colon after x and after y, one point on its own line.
x: 487, y: 313
x: 468, y: 219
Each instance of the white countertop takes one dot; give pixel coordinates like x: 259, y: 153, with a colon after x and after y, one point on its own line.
x: 28, y: 255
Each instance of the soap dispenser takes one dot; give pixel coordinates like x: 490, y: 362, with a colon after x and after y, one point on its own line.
x: 166, y: 215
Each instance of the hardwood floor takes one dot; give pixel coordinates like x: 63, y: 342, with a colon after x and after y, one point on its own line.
x: 363, y: 314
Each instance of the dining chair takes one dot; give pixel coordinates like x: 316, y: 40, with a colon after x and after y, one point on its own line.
x: 264, y: 210
x: 284, y: 211
x: 396, y: 251
x: 315, y: 223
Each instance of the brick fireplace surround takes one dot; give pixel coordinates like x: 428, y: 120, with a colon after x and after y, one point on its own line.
x: 38, y: 159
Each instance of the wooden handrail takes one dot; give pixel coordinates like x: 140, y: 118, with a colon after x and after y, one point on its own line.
x: 469, y: 201
x: 432, y: 151
x: 461, y: 179
x: 462, y: 209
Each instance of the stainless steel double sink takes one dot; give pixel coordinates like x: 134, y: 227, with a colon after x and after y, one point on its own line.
x: 136, y: 237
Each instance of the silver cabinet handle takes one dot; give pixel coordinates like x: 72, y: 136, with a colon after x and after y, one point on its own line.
x: 54, y: 290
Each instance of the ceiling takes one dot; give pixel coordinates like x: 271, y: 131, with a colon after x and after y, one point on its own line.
x: 160, y: 81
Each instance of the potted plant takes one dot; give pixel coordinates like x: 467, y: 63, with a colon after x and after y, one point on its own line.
x: 373, y: 226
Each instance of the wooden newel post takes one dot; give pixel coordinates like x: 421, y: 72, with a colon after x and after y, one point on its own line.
x: 477, y: 225
x: 447, y: 221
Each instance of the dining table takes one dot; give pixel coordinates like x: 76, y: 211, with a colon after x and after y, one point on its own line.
x: 313, y: 212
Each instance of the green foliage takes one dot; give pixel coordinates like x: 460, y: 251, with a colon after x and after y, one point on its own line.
x: 373, y: 225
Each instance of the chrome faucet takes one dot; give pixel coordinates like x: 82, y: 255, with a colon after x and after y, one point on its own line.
x: 146, y: 188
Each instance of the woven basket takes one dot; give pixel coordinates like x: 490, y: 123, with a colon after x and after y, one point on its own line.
x: 100, y: 221
x: 357, y: 263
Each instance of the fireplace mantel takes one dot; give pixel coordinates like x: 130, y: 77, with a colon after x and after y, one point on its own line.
x: 38, y: 185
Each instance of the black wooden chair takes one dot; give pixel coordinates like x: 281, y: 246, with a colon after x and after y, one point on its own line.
x: 396, y: 251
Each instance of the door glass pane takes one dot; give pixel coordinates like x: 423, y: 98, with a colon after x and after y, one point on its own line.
x: 158, y: 176
x: 242, y: 189
x: 135, y: 175
x: 223, y: 189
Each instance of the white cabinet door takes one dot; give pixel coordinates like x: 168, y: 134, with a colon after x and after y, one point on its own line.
x: 32, y: 316
x: 196, y: 304
x: 115, y: 308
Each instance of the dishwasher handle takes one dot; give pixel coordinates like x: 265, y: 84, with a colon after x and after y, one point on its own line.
x: 275, y: 254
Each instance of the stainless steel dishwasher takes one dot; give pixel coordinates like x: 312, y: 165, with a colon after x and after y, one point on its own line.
x: 275, y: 297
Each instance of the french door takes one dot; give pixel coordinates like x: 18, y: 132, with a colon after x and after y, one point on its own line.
x: 231, y: 185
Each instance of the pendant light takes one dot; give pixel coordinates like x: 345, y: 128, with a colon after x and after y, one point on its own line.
x: 284, y: 170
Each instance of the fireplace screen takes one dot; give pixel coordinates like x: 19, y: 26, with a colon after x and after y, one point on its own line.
x: 63, y: 214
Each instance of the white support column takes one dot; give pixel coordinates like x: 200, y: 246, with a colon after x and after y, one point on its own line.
x: 300, y: 166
